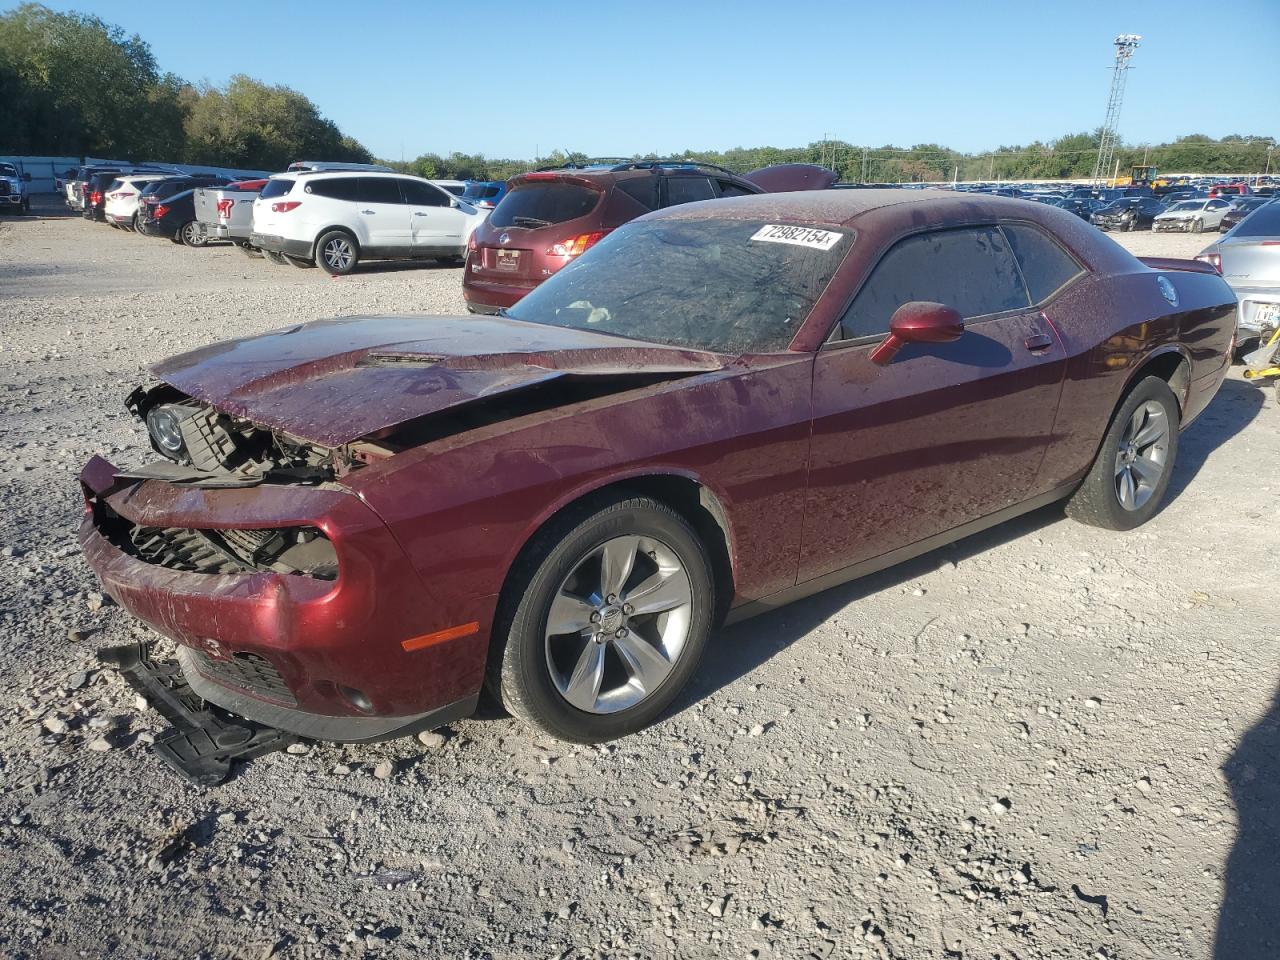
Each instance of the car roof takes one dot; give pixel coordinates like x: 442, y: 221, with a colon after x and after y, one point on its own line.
x: 881, y: 217
x: 310, y: 175
x: 843, y: 208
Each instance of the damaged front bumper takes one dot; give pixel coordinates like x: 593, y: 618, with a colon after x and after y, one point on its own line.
x: 326, y: 657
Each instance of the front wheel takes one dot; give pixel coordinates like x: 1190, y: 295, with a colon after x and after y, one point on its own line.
x: 1129, y: 476
x: 604, y: 620
x: 336, y: 253
x: 1197, y: 226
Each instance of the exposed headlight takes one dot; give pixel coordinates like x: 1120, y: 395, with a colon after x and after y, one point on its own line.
x: 165, y: 426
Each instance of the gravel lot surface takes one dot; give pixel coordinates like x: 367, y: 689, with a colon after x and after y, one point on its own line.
x: 1044, y: 741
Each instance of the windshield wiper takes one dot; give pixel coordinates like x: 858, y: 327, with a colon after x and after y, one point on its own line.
x: 531, y: 221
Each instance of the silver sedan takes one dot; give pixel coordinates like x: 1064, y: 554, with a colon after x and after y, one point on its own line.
x: 1248, y: 257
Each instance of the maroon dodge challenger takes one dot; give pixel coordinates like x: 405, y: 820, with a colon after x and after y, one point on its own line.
x: 722, y: 407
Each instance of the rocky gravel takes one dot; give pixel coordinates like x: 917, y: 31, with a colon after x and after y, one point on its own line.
x: 1043, y: 741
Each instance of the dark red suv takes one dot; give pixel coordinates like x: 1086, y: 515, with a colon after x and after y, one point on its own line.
x: 548, y: 218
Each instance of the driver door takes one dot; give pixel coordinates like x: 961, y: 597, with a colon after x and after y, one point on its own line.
x: 945, y: 433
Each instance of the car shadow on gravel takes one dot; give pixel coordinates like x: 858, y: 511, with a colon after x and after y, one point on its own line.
x: 1235, y: 406
x: 1247, y: 922
x: 757, y: 640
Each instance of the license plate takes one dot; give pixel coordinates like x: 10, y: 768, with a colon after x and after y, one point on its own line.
x: 507, y: 260
x: 1267, y: 315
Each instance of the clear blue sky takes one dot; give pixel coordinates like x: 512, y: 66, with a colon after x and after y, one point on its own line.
x: 609, y: 78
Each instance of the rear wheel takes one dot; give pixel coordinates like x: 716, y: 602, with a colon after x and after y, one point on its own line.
x: 337, y: 253
x: 604, y: 620
x: 1129, y: 476
x: 192, y: 234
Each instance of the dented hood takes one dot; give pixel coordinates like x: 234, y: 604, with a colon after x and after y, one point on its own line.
x: 335, y: 381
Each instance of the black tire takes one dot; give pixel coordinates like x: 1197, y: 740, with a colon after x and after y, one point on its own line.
x: 1098, y: 501
x: 520, y: 671
x: 1197, y: 225
x: 133, y: 224
x: 299, y: 262
x: 192, y: 234
x: 26, y: 207
x: 248, y: 249
x: 176, y: 238
x: 273, y: 256
x: 337, y: 253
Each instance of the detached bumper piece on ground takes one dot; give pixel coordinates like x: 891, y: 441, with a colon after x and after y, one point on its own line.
x: 205, y: 739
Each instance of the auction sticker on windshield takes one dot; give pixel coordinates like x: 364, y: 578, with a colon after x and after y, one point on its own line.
x: 798, y: 236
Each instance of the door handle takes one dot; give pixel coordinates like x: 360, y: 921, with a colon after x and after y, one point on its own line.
x: 1039, y: 342
x: 419, y: 213
x: 368, y: 211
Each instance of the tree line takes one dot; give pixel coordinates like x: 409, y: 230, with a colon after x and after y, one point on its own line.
x: 1070, y: 157
x: 73, y: 85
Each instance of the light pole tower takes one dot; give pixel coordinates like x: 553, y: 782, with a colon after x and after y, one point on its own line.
x: 1126, y: 44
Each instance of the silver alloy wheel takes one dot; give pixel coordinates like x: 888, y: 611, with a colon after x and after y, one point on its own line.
x: 1143, y: 455
x: 191, y: 233
x: 338, y: 253
x: 618, y: 624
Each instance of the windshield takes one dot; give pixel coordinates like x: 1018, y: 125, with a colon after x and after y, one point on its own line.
x: 8, y: 170
x: 731, y: 286
x: 1186, y: 205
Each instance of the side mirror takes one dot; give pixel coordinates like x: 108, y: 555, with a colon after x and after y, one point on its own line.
x: 918, y: 322
x: 26, y: 178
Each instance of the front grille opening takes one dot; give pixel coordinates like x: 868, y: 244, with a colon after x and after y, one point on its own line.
x: 302, y: 551
x: 247, y: 671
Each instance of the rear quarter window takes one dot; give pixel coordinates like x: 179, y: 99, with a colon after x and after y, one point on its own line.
x: 542, y: 204
x: 1046, y: 267
x: 643, y: 190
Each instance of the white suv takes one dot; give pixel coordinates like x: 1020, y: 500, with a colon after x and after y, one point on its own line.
x: 121, y: 206
x: 335, y: 219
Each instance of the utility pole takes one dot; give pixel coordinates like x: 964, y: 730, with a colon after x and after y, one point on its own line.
x: 1125, y: 45
x: 864, y: 164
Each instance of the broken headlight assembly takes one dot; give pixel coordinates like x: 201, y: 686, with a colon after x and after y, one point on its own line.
x: 191, y: 434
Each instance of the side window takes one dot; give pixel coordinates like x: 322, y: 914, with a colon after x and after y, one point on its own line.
x: 423, y: 194
x: 341, y: 188
x: 971, y: 270
x: 687, y: 190
x: 1218, y: 204
x: 1045, y: 265
x: 643, y: 190
x: 378, y: 190
x: 727, y: 188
